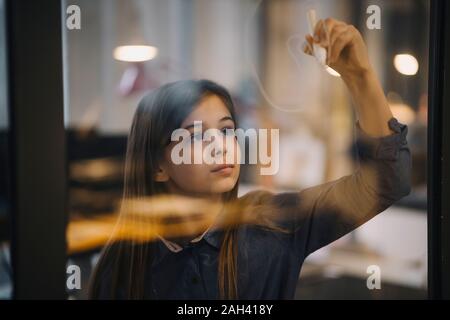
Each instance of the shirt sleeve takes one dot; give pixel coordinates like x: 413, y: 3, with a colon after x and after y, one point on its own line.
x: 322, y: 214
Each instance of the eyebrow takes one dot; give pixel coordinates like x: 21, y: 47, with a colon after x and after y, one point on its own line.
x: 221, y: 120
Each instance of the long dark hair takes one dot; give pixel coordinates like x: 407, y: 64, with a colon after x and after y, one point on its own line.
x: 158, y: 114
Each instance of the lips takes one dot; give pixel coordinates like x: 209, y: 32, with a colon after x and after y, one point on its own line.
x: 223, y: 168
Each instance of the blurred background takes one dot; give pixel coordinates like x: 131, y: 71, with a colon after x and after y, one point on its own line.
x: 252, y: 48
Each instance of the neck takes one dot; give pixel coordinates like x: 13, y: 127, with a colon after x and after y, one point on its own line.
x: 212, y: 197
x: 216, y: 202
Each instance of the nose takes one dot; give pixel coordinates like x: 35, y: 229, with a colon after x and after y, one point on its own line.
x: 219, y: 144
x: 220, y: 148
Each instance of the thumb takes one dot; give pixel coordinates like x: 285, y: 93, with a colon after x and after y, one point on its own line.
x: 307, y: 48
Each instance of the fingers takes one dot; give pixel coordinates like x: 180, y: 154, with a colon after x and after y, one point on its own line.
x: 341, y: 41
x: 334, y: 35
x: 307, y: 46
x: 336, y: 32
x: 324, y: 29
x: 320, y: 34
x: 309, y: 39
x: 331, y: 34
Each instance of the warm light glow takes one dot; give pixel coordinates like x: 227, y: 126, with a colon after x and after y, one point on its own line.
x: 135, y: 53
x: 400, y: 110
x: 406, y: 64
x: 403, y: 113
x: 332, y: 72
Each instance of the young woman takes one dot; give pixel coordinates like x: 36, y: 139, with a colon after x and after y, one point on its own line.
x: 260, y: 260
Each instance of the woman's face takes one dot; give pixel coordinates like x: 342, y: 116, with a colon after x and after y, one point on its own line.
x: 204, y: 178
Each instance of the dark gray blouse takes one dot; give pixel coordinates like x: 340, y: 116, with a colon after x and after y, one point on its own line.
x: 269, y: 262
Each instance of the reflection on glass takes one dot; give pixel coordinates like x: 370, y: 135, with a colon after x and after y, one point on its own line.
x: 5, y: 231
x: 114, y: 68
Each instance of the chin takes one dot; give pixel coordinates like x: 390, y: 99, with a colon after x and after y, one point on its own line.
x: 226, y: 185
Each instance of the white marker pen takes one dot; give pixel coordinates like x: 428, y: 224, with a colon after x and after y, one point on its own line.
x: 319, y: 52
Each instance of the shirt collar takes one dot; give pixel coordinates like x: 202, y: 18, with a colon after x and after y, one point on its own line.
x: 214, y: 237
x: 211, y: 236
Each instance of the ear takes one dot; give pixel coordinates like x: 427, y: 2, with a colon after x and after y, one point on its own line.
x: 161, y: 175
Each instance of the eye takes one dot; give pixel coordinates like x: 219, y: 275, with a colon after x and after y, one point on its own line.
x: 197, y: 136
x: 228, y: 131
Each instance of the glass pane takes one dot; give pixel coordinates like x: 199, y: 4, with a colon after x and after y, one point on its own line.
x: 116, y: 52
x: 5, y: 202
